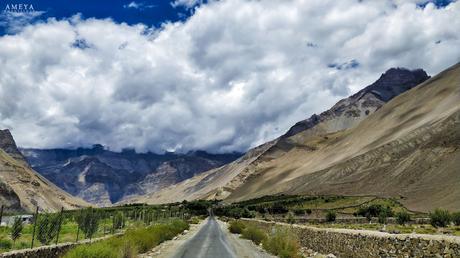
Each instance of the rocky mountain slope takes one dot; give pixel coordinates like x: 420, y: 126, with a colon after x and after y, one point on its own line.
x: 21, y: 188
x: 347, y: 113
x: 104, y: 177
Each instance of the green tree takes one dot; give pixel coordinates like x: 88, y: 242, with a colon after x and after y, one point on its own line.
x: 119, y: 220
x: 88, y: 221
x: 440, y: 218
x: 402, y: 217
x: 47, y: 227
x: 16, y: 229
x: 290, y: 218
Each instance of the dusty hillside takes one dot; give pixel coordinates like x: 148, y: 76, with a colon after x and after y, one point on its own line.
x: 23, y: 188
x: 408, y: 148
x: 220, y: 183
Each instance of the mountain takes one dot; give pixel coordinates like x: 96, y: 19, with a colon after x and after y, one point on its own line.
x: 104, y: 177
x: 21, y: 188
x: 227, y: 181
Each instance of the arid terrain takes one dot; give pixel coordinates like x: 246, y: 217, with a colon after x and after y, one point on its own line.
x: 22, y: 188
x: 407, y: 148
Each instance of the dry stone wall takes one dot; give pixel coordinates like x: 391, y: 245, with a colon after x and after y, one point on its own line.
x: 365, y: 243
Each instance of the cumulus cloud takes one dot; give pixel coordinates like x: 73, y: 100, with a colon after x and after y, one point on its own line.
x: 234, y: 75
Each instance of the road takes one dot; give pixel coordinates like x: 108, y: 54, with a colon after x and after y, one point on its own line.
x: 214, y: 241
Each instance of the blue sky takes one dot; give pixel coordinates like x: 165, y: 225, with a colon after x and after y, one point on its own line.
x: 222, y: 76
x: 148, y: 12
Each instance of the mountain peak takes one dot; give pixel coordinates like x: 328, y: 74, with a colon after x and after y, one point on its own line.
x: 8, y: 144
x: 394, y: 82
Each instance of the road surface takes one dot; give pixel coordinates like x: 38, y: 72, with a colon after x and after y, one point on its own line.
x: 214, y: 241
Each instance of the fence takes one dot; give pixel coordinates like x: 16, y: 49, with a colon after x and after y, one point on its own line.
x: 48, y: 228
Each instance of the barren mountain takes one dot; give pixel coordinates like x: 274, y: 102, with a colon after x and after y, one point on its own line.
x: 104, y: 177
x: 21, y: 188
x: 230, y: 180
x: 409, y: 148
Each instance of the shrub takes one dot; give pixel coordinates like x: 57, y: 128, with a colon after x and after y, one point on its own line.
x: 456, y: 218
x: 308, y: 211
x: 330, y: 216
x: 236, y: 227
x: 402, y: 217
x: 375, y: 210
x: 440, y: 218
x: 282, y: 243
x: 299, y: 212
x: 254, y: 234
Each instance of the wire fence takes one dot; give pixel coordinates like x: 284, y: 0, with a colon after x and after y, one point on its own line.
x: 75, y: 225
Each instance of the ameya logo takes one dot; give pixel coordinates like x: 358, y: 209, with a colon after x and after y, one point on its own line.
x: 19, y: 8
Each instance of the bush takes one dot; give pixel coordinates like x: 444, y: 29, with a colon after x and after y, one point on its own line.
x: 402, y: 217
x: 16, y: 229
x: 282, y: 243
x: 236, y: 227
x: 456, y: 218
x: 440, y: 218
x: 254, y: 234
x: 330, y: 216
x: 308, y: 211
x: 375, y: 210
x: 299, y: 212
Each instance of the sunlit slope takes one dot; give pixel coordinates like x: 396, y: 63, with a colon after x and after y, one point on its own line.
x: 408, y: 148
x: 27, y: 189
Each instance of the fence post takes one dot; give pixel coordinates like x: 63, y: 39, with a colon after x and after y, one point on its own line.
x: 35, y: 225
x: 59, y: 225
x: 1, y: 215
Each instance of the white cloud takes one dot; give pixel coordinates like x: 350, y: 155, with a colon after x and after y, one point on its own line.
x: 138, y: 5
x: 186, y: 3
x: 235, y: 74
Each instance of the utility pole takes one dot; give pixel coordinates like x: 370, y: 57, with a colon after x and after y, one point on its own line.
x: 1, y: 215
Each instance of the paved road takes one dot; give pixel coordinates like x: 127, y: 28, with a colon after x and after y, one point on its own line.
x: 214, y: 241
x: 210, y: 241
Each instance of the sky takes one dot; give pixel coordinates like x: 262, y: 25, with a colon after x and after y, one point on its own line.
x: 186, y: 75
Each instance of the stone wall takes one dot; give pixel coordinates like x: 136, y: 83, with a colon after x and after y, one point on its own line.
x: 365, y: 243
x: 51, y: 251
x: 348, y: 220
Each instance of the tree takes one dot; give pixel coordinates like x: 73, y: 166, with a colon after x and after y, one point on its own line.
x: 88, y: 221
x: 48, y: 226
x: 119, y: 220
x: 440, y: 218
x: 16, y: 230
x: 402, y: 217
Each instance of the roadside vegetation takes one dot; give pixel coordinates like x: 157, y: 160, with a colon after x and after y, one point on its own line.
x: 277, y: 241
x: 352, y: 212
x: 90, y: 223
x: 133, y: 242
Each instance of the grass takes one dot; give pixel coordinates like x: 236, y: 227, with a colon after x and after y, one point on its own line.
x: 236, y: 226
x: 282, y: 243
x: 133, y: 242
x: 68, y: 233
x: 254, y: 234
